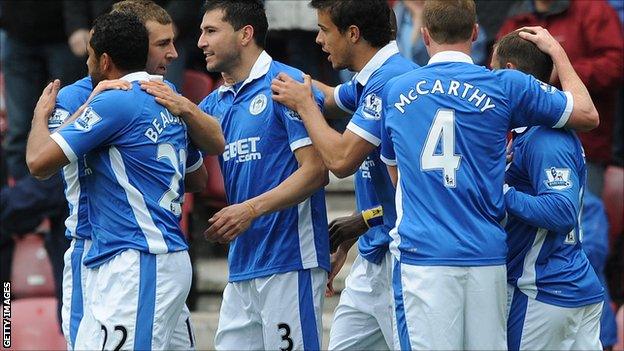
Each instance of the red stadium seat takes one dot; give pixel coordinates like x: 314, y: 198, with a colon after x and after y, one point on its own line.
x: 31, y: 274
x: 34, y: 325
x: 197, y: 85
x: 214, y: 194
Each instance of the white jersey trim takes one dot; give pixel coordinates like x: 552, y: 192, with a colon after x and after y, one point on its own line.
x: 297, y: 144
x: 527, y: 281
x: 388, y: 161
x: 339, y: 102
x: 192, y: 168
x: 153, y: 236
x: 359, y: 131
x: 72, y: 193
x: 67, y: 150
x: 394, y: 232
x: 565, y: 116
x: 305, y: 228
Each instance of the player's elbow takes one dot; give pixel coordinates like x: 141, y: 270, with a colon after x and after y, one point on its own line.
x: 217, y: 146
x: 587, y: 119
x: 341, y: 168
x: 38, y: 168
x: 566, y: 220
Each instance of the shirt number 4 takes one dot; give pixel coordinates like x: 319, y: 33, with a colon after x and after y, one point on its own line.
x: 442, y: 130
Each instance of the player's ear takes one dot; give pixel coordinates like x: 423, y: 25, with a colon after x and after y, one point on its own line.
x: 354, y: 34
x: 105, y: 62
x: 424, y: 32
x: 247, y: 34
x: 510, y: 65
x: 475, y: 32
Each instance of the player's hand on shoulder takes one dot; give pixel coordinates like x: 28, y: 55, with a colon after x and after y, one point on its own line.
x: 47, y: 100
x: 345, y: 228
x: 167, y: 97
x: 113, y: 84
x: 230, y: 222
x: 291, y: 93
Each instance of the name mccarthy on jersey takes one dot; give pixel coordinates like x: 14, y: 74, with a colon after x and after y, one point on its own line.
x: 462, y: 90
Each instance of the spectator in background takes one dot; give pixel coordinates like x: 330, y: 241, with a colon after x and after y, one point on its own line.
x: 411, y: 45
x: 79, y: 16
x: 292, y: 38
x: 596, y: 246
x: 35, y: 51
x: 591, y: 35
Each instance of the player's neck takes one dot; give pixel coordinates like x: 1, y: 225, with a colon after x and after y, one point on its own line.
x: 435, y: 48
x: 241, y: 71
x: 362, y: 55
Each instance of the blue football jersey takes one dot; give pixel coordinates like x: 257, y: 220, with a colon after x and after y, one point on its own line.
x: 261, y: 137
x: 544, y: 200
x: 362, y: 97
x: 137, y: 156
x: 68, y: 101
x: 445, y: 129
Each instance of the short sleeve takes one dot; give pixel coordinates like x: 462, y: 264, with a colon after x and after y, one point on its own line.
x: 536, y: 103
x: 345, y: 96
x: 387, y: 155
x: 104, y: 118
x: 366, y: 121
x: 297, y: 134
x: 195, y: 158
x: 552, y: 162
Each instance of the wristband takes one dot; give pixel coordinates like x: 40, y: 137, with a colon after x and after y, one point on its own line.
x: 252, y: 210
x: 373, y: 216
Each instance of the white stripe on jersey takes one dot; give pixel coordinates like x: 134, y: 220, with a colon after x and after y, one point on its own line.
x: 339, y: 102
x: 72, y: 193
x: 394, y: 233
x: 307, y: 247
x: 153, y: 235
x: 362, y: 133
x: 526, y: 282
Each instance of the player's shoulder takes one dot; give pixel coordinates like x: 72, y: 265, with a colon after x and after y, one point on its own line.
x: 546, y: 139
x: 80, y: 87
x: 279, y: 67
x: 119, y: 101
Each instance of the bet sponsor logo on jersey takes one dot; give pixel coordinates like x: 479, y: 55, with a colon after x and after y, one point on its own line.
x: 242, y: 150
x: 366, y: 166
x: 558, y: 178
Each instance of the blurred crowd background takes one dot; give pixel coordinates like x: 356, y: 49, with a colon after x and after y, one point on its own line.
x: 43, y: 40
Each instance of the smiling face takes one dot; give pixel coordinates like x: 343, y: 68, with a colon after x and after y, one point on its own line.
x: 161, y: 49
x: 333, y: 42
x: 219, y: 42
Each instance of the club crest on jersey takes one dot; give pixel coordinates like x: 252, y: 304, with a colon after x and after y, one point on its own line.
x: 258, y: 104
x: 372, y: 107
x: 58, y: 117
x: 87, y: 120
x: 558, y: 178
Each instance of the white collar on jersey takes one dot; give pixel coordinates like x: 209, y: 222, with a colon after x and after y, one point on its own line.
x: 376, y: 61
x: 450, y: 56
x: 259, y: 69
x: 142, y: 75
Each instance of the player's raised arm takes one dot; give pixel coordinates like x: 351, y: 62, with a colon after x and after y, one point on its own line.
x: 332, y: 109
x: 43, y: 156
x: 231, y: 221
x: 203, y: 129
x: 341, y: 153
x: 584, y: 115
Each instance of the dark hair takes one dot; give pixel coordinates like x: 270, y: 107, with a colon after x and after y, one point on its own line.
x: 372, y: 17
x: 240, y: 13
x: 524, y: 55
x: 124, y: 38
x: 449, y: 21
